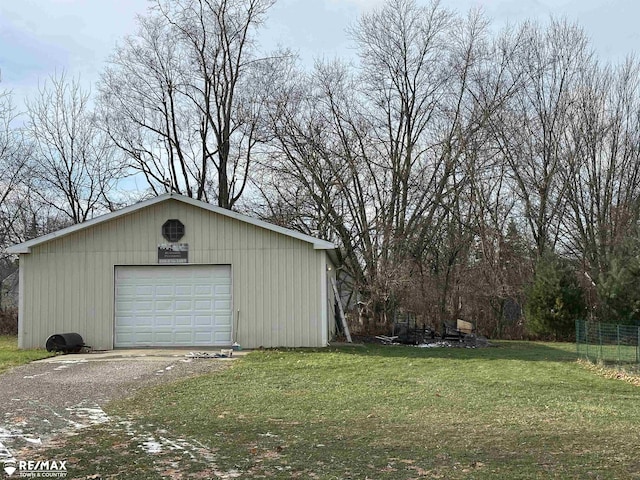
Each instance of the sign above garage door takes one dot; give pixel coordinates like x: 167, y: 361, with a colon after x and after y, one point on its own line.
x: 173, y: 253
x: 173, y: 306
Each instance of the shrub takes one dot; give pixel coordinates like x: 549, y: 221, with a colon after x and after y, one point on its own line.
x: 618, y: 292
x: 9, y: 321
x: 554, y: 299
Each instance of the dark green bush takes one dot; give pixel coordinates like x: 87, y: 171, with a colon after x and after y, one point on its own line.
x: 554, y: 299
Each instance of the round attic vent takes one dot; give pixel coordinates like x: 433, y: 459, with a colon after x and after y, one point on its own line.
x: 173, y: 230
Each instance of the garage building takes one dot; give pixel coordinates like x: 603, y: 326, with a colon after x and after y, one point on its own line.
x: 176, y: 272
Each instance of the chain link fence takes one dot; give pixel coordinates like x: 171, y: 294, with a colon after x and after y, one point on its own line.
x: 608, y: 343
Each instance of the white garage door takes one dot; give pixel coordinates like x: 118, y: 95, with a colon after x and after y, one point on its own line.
x: 173, y: 305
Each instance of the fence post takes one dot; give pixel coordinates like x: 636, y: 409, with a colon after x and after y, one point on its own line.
x: 638, y: 347
x: 600, y: 340
x: 586, y: 338
x: 618, y: 340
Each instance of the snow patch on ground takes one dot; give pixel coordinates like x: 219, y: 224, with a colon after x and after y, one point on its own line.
x: 7, y: 436
x: 71, y: 362
x: 5, y: 454
x: 160, y: 444
x: 37, y: 375
x: 151, y: 446
x: 435, y: 345
x: 88, y: 415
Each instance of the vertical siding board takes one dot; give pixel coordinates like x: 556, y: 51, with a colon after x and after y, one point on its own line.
x: 48, y: 283
x: 312, y: 293
x: 27, y: 308
x: 105, y: 299
x: 305, y: 307
x: 304, y: 289
x: 255, y: 274
x: 269, y: 318
x: 285, y: 294
x: 58, y: 266
x: 259, y: 304
x: 72, y: 284
x: 30, y: 308
x: 247, y: 285
x: 299, y: 280
x: 280, y: 293
x: 319, y: 293
x: 30, y: 282
x: 194, y: 237
x: 273, y: 296
x: 295, y: 319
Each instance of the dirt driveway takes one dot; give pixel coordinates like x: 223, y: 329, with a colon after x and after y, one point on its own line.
x: 66, y: 393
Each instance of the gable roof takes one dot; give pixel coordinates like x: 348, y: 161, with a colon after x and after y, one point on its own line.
x: 25, y: 247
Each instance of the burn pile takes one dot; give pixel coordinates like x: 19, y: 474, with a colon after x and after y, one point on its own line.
x: 408, y: 331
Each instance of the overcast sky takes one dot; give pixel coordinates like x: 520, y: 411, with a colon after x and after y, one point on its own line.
x: 38, y: 37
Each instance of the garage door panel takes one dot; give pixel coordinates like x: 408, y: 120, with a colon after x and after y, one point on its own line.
x: 142, y: 306
x: 220, y: 337
x: 165, y: 290
x: 183, y: 290
x: 143, y: 338
x: 141, y: 320
x: 125, y: 291
x: 166, y: 321
x: 184, y: 321
x: 222, y: 290
x: 124, y: 305
x: 163, y: 337
x: 144, y: 290
x: 204, y: 338
x: 222, y: 305
x: 203, y: 321
x: 183, y: 338
x: 163, y: 306
x: 206, y: 290
x: 126, y: 322
x: 203, y: 305
x: 222, y: 320
x: 185, y: 305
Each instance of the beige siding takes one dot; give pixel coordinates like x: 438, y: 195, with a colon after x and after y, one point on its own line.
x: 67, y: 284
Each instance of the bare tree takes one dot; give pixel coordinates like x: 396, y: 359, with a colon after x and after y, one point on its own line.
x: 13, y: 162
x: 531, y: 130
x: 376, y: 157
x: 604, y: 170
x: 183, y: 98
x: 74, y: 166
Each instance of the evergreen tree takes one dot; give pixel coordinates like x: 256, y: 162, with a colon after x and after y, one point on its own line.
x: 554, y: 299
x: 618, y: 291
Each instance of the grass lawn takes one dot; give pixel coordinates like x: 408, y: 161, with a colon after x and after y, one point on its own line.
x: 518, y: 411
x: 10, y: 356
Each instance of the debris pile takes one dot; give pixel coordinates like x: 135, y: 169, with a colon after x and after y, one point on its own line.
x: 228, y: 353
x: 464, y: 341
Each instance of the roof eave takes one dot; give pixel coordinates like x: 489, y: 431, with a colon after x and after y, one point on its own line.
x: 323, y: 246
x: 16, y: 249
x: 25, y: 247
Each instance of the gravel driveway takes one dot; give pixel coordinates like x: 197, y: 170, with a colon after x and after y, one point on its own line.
x: 45, y: 398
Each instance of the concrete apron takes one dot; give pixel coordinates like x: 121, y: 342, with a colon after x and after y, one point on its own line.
x: 142, y: 354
